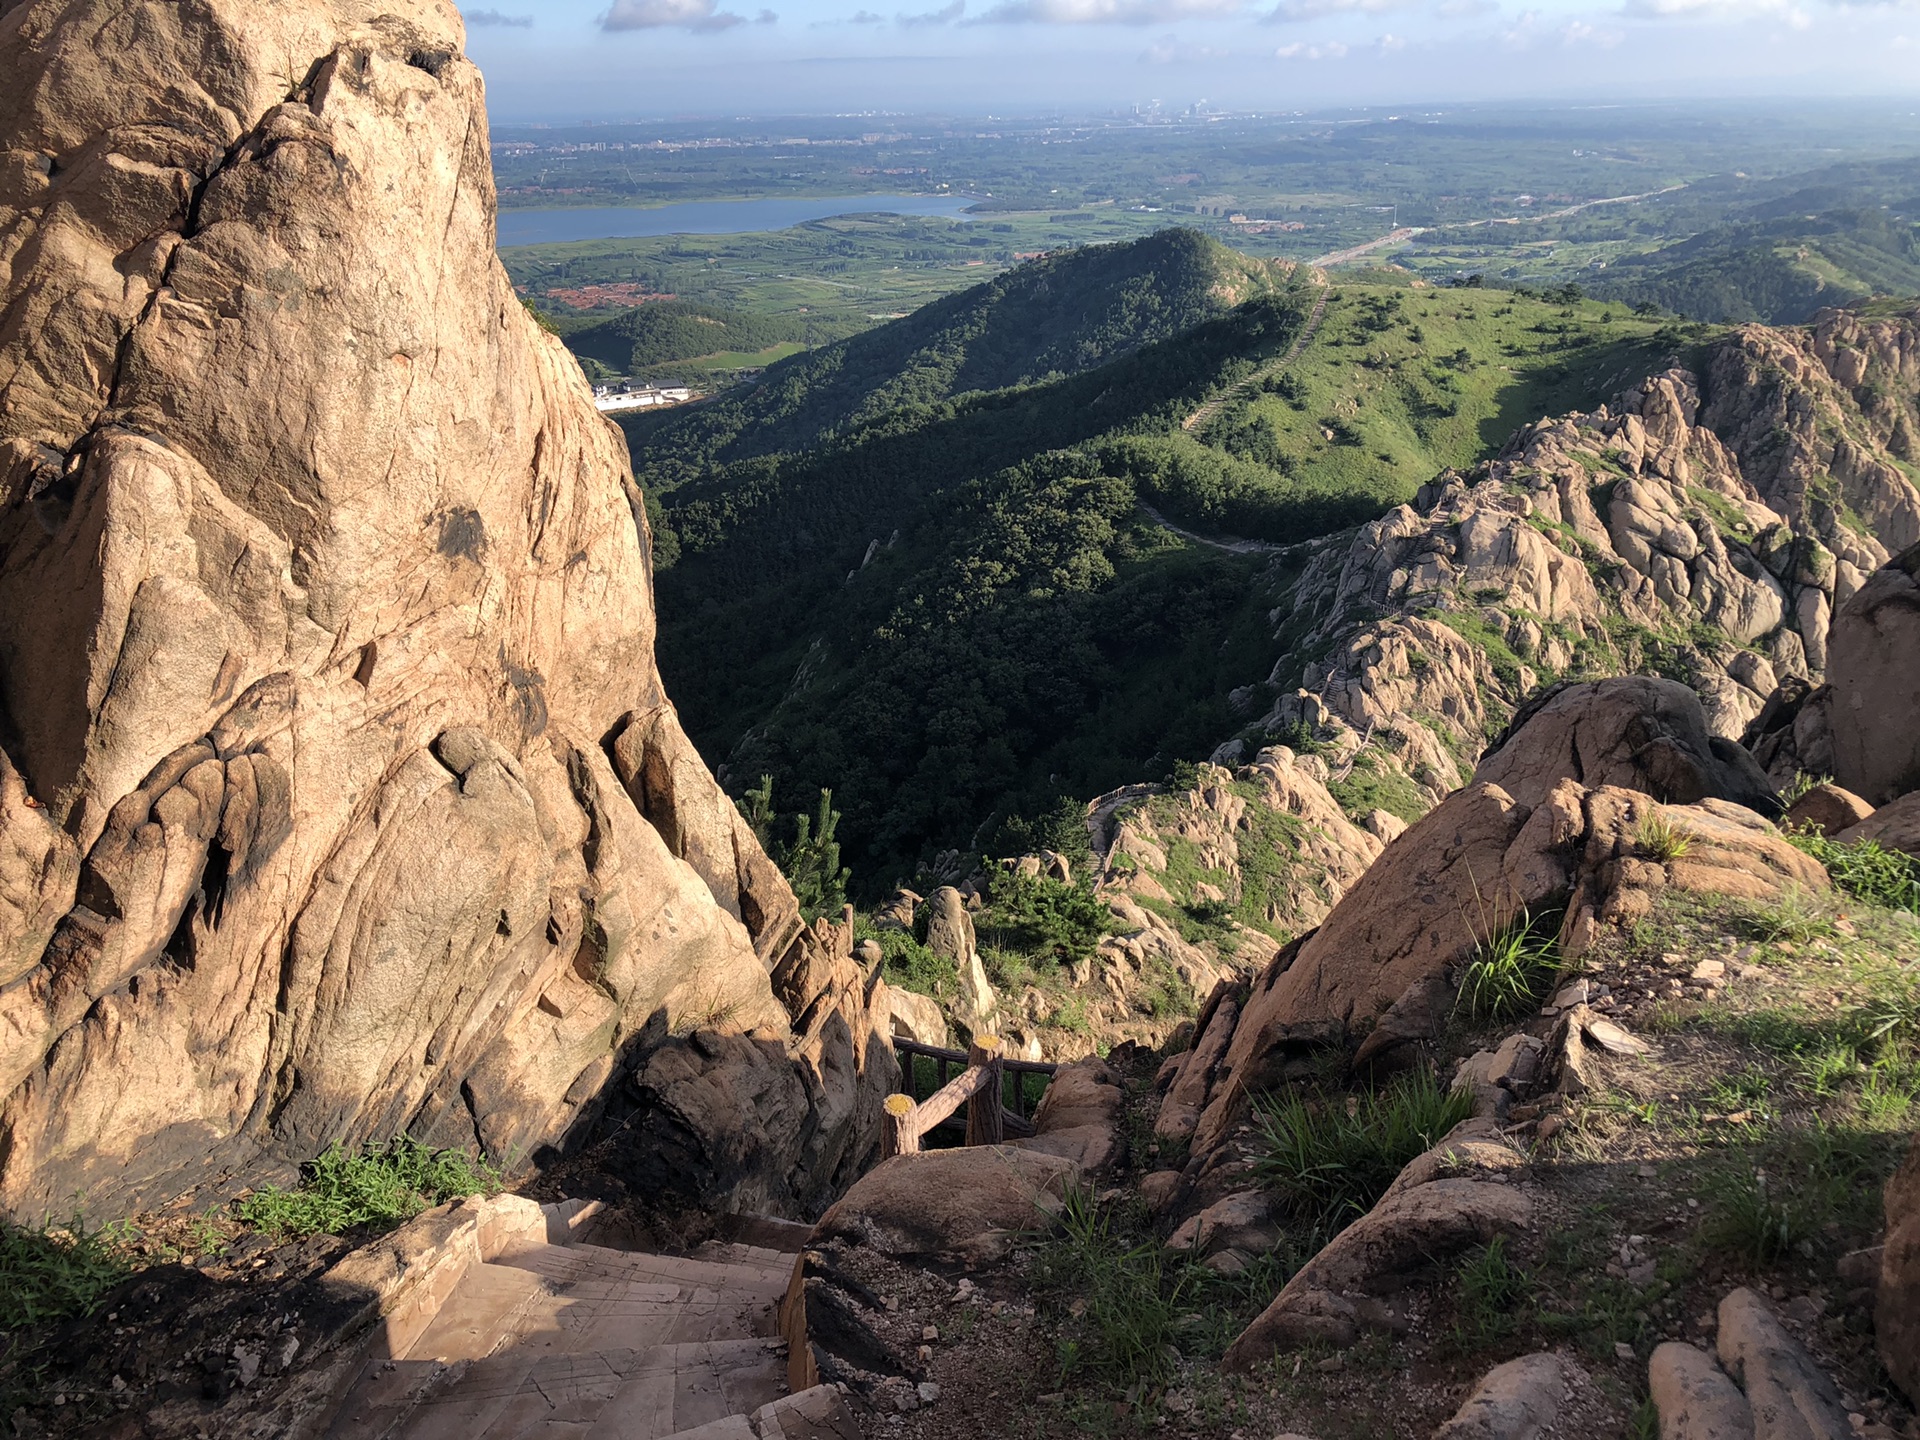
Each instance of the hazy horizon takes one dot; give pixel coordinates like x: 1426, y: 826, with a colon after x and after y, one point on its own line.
x: 580, y: 60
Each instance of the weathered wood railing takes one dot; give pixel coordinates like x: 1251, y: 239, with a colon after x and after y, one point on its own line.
x: 978, y: 1086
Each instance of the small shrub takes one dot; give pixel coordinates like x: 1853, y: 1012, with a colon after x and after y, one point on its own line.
x: 1662, y: 838
x: 1796, y: 789
x: 378, y: 1184
x: 909, y: 964
x: 1329, y: 1158
x: 1512, y: 970
x: 1061, y: 922
x: 50, y: 1273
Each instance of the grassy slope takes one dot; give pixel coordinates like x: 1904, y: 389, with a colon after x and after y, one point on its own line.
x: 1054, y: 317
x: 1022, y: 630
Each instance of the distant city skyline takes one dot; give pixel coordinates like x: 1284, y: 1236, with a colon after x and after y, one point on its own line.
x: 572, y: 60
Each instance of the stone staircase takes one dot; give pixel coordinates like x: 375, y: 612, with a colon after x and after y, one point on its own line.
x: 551, y: 1336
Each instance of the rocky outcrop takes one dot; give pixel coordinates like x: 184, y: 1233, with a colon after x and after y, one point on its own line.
x: 1875, y: 681
x: 1855, y: 729
x: 1519, y: 1400
x: 1378, y: 977
x: 1658, y: 534
x: 1694, y: 1397
x: 1081, y: 1117
x: 1897, y: 1318
x: 339, y: 795
x: 1827, y: 808
x: 1791, y: 1397
x: 1816, y: 417
x: 1893, y: 827
x: 1637, y: 732
x: 1265, y: 842
x: 963, y: 1206
x: 1443, y: 1202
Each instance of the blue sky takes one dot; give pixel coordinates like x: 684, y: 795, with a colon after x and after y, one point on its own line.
x: 559, y: 60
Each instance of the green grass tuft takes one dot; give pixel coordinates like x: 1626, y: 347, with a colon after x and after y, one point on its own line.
x: 380, y: 1185
x: 1866, y: 870
x: 1512, y: 970
x: 1330, y: 1158
x: 50, y: 1273
x: 1662, y: 838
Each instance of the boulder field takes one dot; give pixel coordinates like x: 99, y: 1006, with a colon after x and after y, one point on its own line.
x: 338, y: 791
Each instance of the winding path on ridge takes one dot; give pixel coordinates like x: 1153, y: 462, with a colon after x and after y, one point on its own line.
x: 1273, y: 367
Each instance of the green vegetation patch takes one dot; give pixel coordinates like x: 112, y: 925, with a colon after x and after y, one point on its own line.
x: 53, y: 1272
x: 1373, y: 784
x: 1328, y: 1158
x: 1052, y: 921
x: 378, y: 1185
x: 1512, y: 969
x: 1866, y: 869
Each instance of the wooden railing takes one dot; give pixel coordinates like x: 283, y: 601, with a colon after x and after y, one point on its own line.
x: 978, y: 1087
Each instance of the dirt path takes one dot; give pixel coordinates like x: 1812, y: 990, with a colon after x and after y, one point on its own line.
x: 1233, y: 392
x: 1354, y: 252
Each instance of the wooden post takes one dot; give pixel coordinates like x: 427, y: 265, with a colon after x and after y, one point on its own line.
x: 899, y: 1127
x: 983, y: 1110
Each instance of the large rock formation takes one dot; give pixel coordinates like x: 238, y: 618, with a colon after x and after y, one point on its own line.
x: 338, y: 793
x: 1380, y: 973
x: 1710, y: 540
x: 1858, y: 727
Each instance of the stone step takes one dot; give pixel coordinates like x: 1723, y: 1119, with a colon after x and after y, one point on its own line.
x: 733, y: 1427
x: 753, y: 1257
x: 521, y: 1394
x: 581, y: 1262
x: 789, y: 1237
x: 490, y: 1303
x: 817, y: 1414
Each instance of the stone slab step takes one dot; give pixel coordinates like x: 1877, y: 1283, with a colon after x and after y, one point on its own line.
x: 817, y: 1414
x: 621, y: 1394
x: 684, y: 1387
x: 789, y: 1237
x: 733, y: 1427
x: 490, y: 1303
x: 581, y: 1262
x: 752, y: 1257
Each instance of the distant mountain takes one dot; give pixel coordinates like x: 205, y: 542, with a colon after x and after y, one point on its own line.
x: 1777, y: 271
x: 1786, y: 248
x: 670, y: 332
x: 1052, y: 318
x: 960, y: 609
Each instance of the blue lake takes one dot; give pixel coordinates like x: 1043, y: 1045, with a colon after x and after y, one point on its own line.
x: 709, y: 217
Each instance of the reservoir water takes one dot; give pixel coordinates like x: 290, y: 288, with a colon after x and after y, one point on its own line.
x: 709, y: 217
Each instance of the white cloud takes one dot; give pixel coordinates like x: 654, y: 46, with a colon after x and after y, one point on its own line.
x: 1795, y: 16
x: 1332, y: 50
x: 494, y: 17
x: 1464, y: 9
x: 1107, y: 12
x: 1579, y: 32
x: 1288, y: 11
x: 703, y: 15
x: 1389, y: 43
x: 945, y: 15
x: 1171, y: 50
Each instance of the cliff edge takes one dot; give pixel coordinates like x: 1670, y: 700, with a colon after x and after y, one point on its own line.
x: 338, y: 791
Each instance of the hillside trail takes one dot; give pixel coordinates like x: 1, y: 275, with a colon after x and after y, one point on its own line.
x: 550, y: 1335
x: 1273, y: 367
